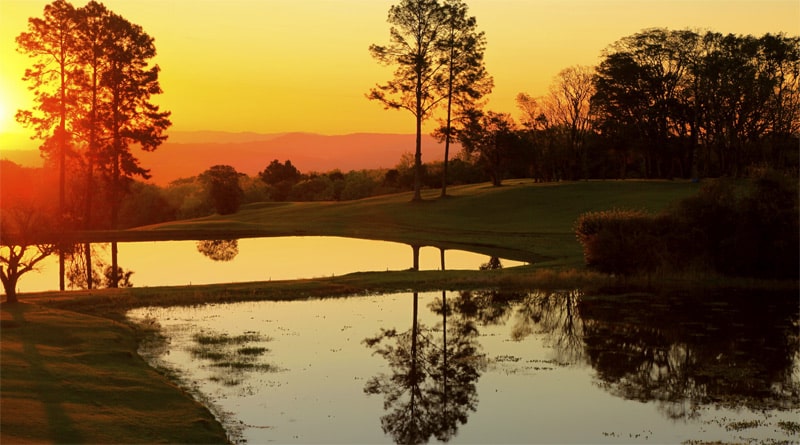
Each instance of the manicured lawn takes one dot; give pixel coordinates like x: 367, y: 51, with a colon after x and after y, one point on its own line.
x: 521, y: 220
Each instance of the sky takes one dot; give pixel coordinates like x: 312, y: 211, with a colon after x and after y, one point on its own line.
x: 272, y: 66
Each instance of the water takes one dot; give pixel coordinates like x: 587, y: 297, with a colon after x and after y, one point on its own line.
x: 534, y: 367
x: 178, y: 263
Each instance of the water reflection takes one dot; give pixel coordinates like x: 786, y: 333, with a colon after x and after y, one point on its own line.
x: 178, y: 263
x: 87, y: 269
x: 220, y: 249
x: 635, y: 368
x: 729, y: 350
x: 432, y: 385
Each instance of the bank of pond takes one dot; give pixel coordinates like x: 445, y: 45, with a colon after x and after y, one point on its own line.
x: 491, y: 366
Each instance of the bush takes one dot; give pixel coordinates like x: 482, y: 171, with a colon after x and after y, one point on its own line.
x: 740, y: 228
x: 623, y: 242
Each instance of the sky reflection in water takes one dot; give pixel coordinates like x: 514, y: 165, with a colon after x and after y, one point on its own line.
x: 521, y: 368
x: 178, y: 263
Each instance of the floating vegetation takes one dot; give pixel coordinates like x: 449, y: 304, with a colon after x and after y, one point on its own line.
x: 225, y: 339
x: 743, y: 425
x: 230, y: 356
x: 252, y: 350
x: 789, y: 426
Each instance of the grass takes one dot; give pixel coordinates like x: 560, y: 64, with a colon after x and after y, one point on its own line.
x: 521, y: 220
x: 70, y: 371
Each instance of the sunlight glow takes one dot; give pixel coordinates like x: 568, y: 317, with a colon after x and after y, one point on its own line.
x: 6, y: 115
x: 282, y: 65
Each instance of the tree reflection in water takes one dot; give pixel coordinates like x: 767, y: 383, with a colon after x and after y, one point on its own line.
x: 219, y: 250
x: 728, y: 350
x: 556, y: 315
x: 432, y: 385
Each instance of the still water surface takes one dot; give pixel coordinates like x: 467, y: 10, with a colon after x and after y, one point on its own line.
x: 178, y: 263
x: 487, y: 367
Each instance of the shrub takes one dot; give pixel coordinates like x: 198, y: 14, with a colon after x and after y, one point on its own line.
x: 741, y: 228
x: 621, y: 242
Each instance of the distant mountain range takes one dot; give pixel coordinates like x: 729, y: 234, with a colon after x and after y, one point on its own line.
x: 187, y: 154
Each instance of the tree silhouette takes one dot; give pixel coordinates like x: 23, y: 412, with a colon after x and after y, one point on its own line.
x: 416, y: 32
x: 222, y: 182
x: 282, y: 177
x: 20, y: 251
x: 557, y: 315
x: 467, y: 79
x: 100, y: 95
x: 493, y: 137
x: 50, y: 42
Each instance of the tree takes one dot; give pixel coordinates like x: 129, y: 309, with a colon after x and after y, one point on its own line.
x: 638, y: 88
x: 282, y: 177
x: 222, y: 182
x: 128, y: 116
x: 103, y: 86
x: 570, y: 99
x: 416, y: 32
x: 50, y: 42
x: 467, y: 79
x: 20, y: 247
x: 493, y: 137
x: 431, y: 388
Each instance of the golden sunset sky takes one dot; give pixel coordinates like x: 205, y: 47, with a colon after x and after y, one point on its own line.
x: 303, y: 65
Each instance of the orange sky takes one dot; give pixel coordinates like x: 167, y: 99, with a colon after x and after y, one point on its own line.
x: 303, y: 65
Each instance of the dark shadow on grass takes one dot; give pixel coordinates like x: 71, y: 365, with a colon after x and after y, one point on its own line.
x: 62, y: 428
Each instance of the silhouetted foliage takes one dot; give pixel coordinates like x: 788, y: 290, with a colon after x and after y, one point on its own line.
x: 222, y: 182
x: 493, y: 138
x: 743, y: 228
x: 416, y: 39
x: 689, y: 351
x: 282, y: 177
x: 467, y: 79
x: 99, y: 94
x: 20, y: 249
x: 680, y: 103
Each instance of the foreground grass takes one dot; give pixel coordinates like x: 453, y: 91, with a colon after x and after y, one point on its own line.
x: 74, y: 378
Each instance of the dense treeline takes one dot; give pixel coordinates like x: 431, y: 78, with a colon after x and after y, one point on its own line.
x: 665, y: 104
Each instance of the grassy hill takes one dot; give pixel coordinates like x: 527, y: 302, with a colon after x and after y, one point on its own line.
x: 522, y: 220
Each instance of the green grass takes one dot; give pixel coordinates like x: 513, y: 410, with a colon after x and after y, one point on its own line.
x: 521, y: 220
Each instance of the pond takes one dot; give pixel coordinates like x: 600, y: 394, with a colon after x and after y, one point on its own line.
x: 489, y: 367
x: 177, y: 263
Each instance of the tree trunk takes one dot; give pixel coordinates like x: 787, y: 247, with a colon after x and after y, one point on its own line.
x: 418, y: 162
x: 9, y: 284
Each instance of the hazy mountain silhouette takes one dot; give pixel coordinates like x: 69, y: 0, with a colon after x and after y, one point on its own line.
x: 187, y: 154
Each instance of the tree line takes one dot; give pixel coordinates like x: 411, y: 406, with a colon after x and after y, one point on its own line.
x: 661, y: 104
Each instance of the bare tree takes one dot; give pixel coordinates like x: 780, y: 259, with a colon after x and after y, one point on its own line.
x: 570, y: 100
